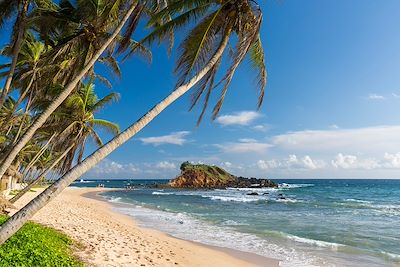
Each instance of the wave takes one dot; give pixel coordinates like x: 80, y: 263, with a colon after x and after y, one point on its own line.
x: 290, y: 186
x: 288, y: 200
x: 358, y: 200
x: 115, y: 199
x: 263, y: 189
x: 84, y: 182
x: 185, y: 226
x: 391, y: 256
x: 313, y: 242
x: 161, y: 193
x: 385, y: 209
x: 232, y: 223
x: 234, y: 199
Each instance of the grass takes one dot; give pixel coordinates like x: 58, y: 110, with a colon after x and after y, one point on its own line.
x: 37, y: 245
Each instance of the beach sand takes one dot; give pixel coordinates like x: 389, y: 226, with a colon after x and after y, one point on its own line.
x: 108, y: 238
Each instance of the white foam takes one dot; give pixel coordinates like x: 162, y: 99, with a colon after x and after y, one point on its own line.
x: 392, y: 256
x: 161, y: 193
x: 235, y: 199
x: 357, y: 200
x: 314, y: 242
x: 289, y: 186
x: 183, y: 226
x: 115, y: 199
x: 288, y: 200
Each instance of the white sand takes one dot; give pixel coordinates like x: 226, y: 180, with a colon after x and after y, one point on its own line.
x: 112, y: 239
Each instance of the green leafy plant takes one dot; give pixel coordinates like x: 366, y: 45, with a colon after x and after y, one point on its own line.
x: 37, y: 245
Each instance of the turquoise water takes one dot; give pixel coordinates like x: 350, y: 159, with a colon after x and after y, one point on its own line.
x: 318, y: 223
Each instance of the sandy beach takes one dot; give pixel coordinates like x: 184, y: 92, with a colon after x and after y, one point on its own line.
x: 108, y: 238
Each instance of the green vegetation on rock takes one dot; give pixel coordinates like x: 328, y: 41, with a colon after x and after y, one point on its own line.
x: 37, y: 245
x: 206, y: 176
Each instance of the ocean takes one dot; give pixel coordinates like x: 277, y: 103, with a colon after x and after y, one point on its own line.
x: 302, y: 223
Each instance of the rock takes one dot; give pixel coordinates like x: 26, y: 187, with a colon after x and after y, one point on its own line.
x: 205, y: 176
x: 252, y: 194
x: 266, y: 193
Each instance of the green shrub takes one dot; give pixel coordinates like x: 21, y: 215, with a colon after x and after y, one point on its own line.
x: 37, y: 245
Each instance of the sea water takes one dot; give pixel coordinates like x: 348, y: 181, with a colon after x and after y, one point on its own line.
x: 302, y: 223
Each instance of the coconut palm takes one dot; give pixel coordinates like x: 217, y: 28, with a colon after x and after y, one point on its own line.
x: 7, y: 9
x: 69, y: 87
x: 201, y: 55
x: 77, y: 119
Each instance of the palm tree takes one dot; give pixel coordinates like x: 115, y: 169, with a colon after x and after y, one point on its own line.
x: 241, y: 17
x: 65, y: 93
x: 77, y: 119
x: 7, y: 8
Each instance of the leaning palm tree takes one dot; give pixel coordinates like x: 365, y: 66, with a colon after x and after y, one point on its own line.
x: 68, y: 89
x: 202, y: 53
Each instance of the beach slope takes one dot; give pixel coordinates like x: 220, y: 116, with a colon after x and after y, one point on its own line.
x: 108, y: 238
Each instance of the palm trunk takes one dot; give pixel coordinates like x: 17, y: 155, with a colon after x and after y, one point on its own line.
x: 15, y: 51
x: 39, y: 154
x: 40, y: 177
x: 23, y: 95
x: 21, y: 125
x: 60, y: 99
x: 23, y: 215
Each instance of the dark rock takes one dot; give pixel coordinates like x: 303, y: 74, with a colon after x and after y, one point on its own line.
x: 252, y: 194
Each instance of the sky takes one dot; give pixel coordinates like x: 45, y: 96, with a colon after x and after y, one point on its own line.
x: 331, y: 107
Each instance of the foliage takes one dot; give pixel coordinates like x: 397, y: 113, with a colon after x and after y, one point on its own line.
x: 37, y: 245
x: 213, y: 172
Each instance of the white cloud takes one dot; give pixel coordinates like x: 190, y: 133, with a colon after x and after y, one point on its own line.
x: 165, y: 165
x: 226, y: 164
x: 333, y: 127
x: 262, y: 127
x: 292, y: 162
x: 111, y: 168
x: 392, y: 160
x: 376, y: 97
x: 395, y: 95
x: 176, y: 138
x: 371, y: 140
x: 312, y: 164
x: 244, y: 146
x: 238, y: 118
x: 353, y: 162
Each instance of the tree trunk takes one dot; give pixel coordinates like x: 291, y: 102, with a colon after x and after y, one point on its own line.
x: 17, y: 220
x: 60, y: 99
x: 40, y: 177
x: 38, y: 154
x: 15, y: 51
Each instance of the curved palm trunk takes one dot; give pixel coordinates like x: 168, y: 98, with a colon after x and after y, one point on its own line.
x: 40, y: 177
x: 60, y: 99
x: 23, y: 215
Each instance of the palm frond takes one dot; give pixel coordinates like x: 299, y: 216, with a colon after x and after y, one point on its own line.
x: 106, y: 125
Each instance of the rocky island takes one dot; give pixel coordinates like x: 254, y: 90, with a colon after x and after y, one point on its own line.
x: 206, y: 176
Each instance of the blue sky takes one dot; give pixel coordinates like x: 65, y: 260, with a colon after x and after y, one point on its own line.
x: 330, y: 111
